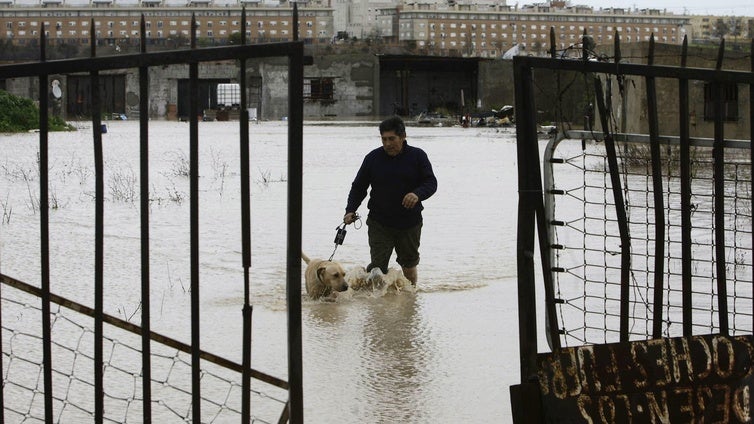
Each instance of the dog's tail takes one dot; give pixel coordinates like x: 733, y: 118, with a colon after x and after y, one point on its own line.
x: 304, y: 257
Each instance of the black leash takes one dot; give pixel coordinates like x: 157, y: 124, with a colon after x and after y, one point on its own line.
x: 340, y: 234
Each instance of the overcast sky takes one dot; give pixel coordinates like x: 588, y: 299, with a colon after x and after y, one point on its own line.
x: 691, y: 7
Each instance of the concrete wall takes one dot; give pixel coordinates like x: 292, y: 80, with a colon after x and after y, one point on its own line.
x: 356, y: 86
x: 667, y: 89
x: 356, y: 78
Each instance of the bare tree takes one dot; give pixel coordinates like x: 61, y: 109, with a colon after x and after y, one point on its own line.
x: 720, y: 29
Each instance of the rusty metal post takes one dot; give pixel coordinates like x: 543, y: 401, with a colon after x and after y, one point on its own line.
x: 526, y: 141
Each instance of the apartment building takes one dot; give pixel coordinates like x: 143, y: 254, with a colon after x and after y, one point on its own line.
x: 489, y: 30
x: 117, y: 23
x: 710, y: 28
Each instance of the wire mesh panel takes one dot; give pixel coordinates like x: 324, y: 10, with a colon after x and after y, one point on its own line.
x: 73, y: 377
x: 587, y: 247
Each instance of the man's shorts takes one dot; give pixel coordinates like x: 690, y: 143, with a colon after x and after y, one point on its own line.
x: 382, y: 241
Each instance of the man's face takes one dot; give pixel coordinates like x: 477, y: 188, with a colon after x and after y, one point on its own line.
x: 392, y: 142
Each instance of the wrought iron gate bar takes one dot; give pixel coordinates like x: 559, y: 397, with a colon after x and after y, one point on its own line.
x: 685, y: 141
x: 669, y: 140
x: 99, y: 236
x: 146, y: 323
x: 44, y: 228
x: 657, y: 71
x: 194, y: 235
x: 751, y: 136
x: 659, y: 209
x: 718, y: 158
x: 620, y: 210
x: 245, y: 233
x: 138, y: 60
x: 295, y: 206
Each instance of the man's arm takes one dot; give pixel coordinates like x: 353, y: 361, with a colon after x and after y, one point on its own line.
x: 358, y: 192
x: 428, y: 185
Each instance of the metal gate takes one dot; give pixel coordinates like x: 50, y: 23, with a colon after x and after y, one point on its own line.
x: 200, y: 360
x: 644, y: 243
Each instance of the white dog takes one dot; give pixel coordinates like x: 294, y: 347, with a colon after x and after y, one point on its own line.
x: 324, y: 278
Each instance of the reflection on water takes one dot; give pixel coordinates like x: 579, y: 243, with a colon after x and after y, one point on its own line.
x: 384, y: 345
x: 444, y: 354
x: 393, y: 333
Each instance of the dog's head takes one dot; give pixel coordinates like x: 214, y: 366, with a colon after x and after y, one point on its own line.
x: 332, y: 275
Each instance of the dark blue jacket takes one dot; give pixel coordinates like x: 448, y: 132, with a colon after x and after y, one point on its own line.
x: 392, y: 178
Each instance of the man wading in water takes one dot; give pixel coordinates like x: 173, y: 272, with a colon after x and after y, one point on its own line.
x: 401, y: 178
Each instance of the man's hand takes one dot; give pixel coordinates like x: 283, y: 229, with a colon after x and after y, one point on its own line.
x: 410, y: 200
x: 349, y: 218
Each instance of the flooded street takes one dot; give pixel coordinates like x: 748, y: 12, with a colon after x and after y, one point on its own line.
x: 445, y: 354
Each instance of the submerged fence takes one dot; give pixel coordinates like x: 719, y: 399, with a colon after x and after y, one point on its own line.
x: 645, y: 246
x: 64, y: 361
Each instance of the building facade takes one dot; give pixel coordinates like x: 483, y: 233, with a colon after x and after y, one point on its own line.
x: 490, y: 30
x: 710, y: 28
x: 168, y: 25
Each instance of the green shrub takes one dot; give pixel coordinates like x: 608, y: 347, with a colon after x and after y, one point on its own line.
x: 18, y: 114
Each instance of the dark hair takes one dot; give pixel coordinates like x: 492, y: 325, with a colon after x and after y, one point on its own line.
x: 393, y: 124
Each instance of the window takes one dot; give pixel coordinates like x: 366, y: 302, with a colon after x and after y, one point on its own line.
x: 319, y: 89
x: 729, y: 98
